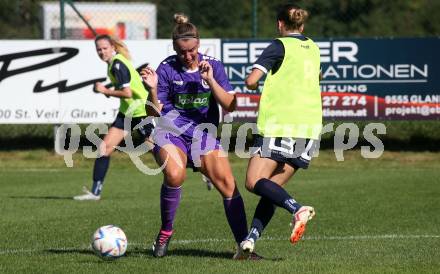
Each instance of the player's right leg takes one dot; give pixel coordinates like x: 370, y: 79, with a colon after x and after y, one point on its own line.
x: 270, y: 188
x: 111, y: 140
x: 265, y: 177
x: 265, y: 208
x: 215, y: 165
x: 173, y: 160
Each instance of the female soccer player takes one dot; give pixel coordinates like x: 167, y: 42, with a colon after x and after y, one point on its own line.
x: 289, y: 122
x: 190, y: 85
x: 129, y: 88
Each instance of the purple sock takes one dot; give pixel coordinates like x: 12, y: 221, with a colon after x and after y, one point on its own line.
x: 169, y: 202
x: 234, y: 209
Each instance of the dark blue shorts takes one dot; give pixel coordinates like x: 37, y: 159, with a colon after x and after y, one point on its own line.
x: 296, y: 152
x: 145, y: 130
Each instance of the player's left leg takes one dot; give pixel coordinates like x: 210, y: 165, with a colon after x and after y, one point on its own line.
x: 215, y: 165
x: 265, y: 208
x: 111, y: 140
x: 273, y: 193
x: 172, y: 157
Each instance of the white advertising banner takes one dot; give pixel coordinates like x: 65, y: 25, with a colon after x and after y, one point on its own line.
x: 51, y: 82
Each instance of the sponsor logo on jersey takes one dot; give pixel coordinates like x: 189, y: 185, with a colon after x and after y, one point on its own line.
x: 190, y: 101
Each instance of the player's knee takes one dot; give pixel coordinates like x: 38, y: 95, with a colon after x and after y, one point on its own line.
x: 175, y: 177
x: 226, y: 185
x: 108, y: 150
x: 105, y: 149
x: 230, y: 187
x: 249, y: 187
x: 250, y: 184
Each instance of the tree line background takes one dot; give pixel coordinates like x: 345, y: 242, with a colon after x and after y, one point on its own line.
x: 20, y: 19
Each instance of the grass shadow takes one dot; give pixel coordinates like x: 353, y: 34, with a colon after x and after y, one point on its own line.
x: 145, y: 252
x: 94, y: 259
x: 191, y: 252
x: 142, y: 252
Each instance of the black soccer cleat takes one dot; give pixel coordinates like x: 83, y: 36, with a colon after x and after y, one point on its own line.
x: 160, y: 246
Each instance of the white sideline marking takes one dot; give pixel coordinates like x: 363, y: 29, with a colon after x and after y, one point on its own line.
x: 371, y: 237
x: 318, y: 238
x: 185, y: 242
x: 41, y: 170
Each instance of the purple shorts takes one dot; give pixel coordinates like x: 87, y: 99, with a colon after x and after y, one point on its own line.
x: 194, y: 146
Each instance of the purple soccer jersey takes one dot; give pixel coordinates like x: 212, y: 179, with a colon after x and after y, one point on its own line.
x: 184, y: 91
x: 188, y: 102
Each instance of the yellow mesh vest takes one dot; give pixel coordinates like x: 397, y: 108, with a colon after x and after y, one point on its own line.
x: 290, y: 104
x: 134, y: 106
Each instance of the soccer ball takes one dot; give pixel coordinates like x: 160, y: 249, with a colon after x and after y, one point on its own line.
x: 109, y: 242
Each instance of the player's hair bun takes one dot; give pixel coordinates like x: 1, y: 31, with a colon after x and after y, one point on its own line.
x: 180, y: 18
x: 298, y: 16
x: 183, y: 29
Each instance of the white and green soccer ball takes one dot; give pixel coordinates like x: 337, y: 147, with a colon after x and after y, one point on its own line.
x: 109, y: 242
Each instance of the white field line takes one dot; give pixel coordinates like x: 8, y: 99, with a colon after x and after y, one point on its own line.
x: 213, y: 240
x: 318, y: 238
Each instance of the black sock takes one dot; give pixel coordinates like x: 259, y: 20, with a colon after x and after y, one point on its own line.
x: 263, y: 214
x: 99, y: 171
x: 276, y: 194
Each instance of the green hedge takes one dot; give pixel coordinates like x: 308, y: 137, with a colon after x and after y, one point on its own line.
x: 401, y: 135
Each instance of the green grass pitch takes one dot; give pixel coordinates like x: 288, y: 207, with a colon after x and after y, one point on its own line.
x: 372, y: 216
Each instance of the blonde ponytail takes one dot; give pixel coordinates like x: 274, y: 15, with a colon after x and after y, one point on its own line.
x: 119, y: 46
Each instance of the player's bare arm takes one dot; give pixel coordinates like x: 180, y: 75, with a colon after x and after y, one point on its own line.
x: 225, y: 99
x: 149, y: 77
x: 253, y: 78
x: 120, y: 93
